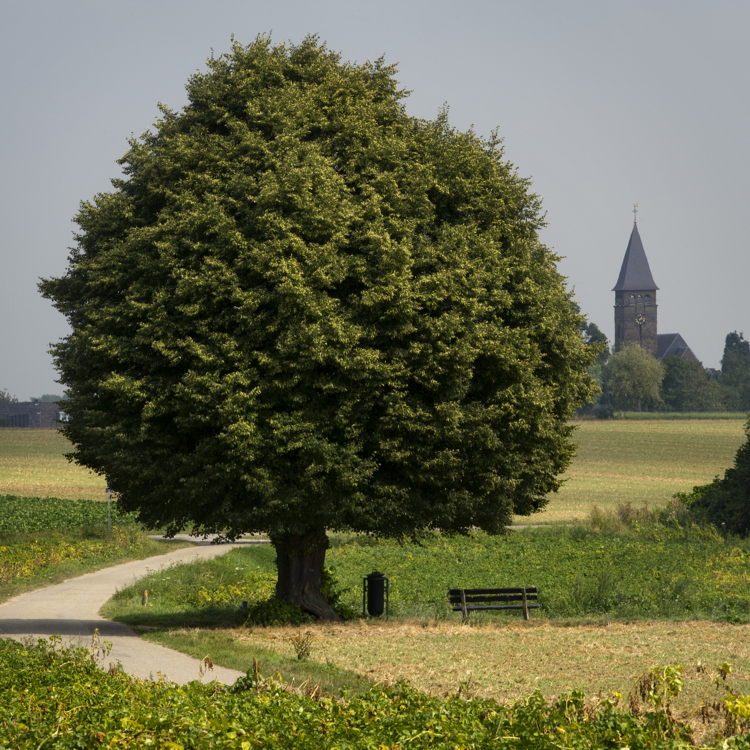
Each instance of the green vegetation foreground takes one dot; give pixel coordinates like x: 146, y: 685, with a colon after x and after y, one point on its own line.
x: 56, y: 695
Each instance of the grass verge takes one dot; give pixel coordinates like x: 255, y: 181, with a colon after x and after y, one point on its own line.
x: 239, y: 649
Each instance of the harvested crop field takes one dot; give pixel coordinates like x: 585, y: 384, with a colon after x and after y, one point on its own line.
x: 507, y: 663
x: 640, y: 462
x: 33, y: 464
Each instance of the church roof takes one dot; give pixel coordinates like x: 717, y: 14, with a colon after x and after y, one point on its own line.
x: 635, y: 274
x: 673, y: 345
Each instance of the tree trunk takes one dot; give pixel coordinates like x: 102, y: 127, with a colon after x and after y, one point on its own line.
x: 299, y: 560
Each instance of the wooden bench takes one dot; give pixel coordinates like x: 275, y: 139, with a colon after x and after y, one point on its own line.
x: 476, y: 600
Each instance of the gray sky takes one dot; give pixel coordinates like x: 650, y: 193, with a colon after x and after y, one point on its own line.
x: 602, y: 104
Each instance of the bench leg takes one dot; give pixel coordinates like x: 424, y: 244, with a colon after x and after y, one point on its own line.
x: 525, y: 606
x: 463, y: 605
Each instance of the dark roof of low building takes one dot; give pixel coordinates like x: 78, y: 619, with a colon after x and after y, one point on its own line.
x: 635, y: 274
x: 673, y: 345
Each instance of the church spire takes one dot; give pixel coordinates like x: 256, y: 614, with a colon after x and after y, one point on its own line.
x: 635, y: 274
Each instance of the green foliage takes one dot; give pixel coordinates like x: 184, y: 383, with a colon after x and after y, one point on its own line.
x: 735, y: 372
x: 209, y: 592
x: 56, y: 695
x: 683, y: 416
x: 726, y: 501
x: 598, y: 403
x: 50, y: 398
x: 29, y: 514
x: 594, y: 336
x: 201, y: 594
x: 301, y: 309
x: 633, y: 377
x: 688, y: 387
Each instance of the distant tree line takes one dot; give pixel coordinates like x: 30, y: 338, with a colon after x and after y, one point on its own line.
x: 47, y: 398
x: 6, y: 398
x: 633, y: 380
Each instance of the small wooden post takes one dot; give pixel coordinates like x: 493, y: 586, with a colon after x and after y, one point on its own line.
x: 463, y: 605
x: 144, y: 599
x: 525, y: 605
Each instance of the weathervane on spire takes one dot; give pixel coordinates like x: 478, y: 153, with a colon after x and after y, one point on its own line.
x: 635, y: 213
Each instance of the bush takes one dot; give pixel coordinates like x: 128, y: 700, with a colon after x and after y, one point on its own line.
x: 726, y: 501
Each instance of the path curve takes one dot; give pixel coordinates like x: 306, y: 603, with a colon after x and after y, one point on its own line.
x: 71, y: 609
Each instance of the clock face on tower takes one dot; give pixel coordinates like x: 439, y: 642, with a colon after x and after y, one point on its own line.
x: 640, y: 319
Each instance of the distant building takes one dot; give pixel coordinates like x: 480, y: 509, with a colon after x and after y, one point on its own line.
x: 31, y: 414
x: 636, y: 308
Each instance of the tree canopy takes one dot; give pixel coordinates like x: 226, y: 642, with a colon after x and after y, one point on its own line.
x: 633, y: 378
x: 735, y: 372
x: 302, y: 309
x: 688, y: 387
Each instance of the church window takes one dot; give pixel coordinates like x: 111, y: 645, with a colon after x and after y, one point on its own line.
x: 640, y: 299
x: 648, y: 299
x: 632, y: 299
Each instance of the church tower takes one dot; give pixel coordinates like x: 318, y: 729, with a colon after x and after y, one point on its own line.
x: 635, y: 299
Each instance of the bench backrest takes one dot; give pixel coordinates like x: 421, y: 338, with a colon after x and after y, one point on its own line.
x: 493, y: 596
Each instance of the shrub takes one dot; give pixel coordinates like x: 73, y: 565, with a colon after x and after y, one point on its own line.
x: 726, y: 501
x: 276, y: 612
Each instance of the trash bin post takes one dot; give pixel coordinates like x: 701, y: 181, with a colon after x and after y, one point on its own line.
x: 375, y: 594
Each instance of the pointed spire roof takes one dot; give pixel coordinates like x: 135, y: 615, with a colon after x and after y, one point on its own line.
x: 635, y: 274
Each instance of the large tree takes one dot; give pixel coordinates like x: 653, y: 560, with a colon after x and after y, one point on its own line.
x: 301, y: 309
x: 6, y: 398
x: 633, y: 378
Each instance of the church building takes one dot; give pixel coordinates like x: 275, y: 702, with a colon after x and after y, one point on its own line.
x: 636, y: 307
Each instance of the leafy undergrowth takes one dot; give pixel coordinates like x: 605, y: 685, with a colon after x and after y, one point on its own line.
x: 56, y: 696
x: 638, y: 566
x: 639, y: 570
x: 20, y: 515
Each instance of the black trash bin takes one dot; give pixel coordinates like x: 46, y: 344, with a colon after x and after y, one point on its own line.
x: 375, y: 594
